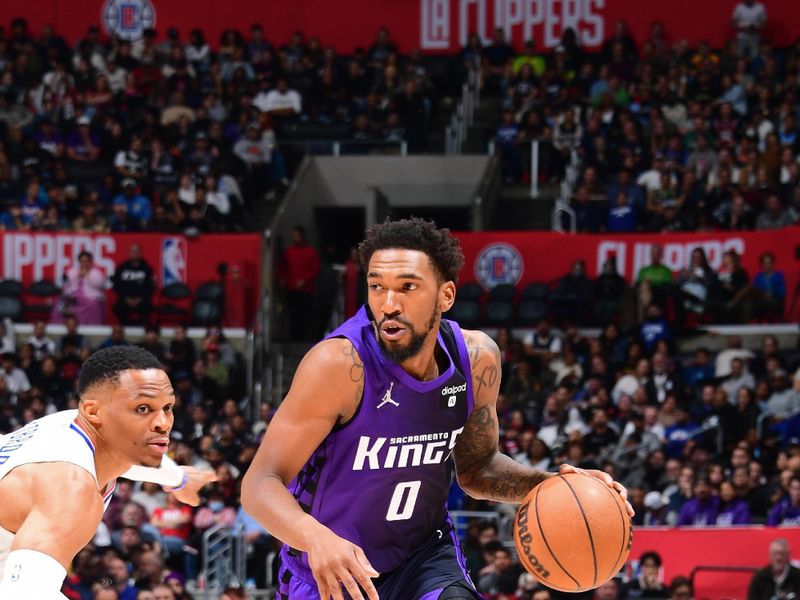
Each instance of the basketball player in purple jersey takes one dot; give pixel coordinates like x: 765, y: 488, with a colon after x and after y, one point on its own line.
x: 352, y: 474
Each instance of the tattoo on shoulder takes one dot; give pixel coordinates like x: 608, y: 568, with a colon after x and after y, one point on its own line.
x: 357, y: 367
x: 485, y: 374
x: 478, y: 349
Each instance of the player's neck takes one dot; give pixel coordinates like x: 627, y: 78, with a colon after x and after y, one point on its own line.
x: 108, y: 464
x: 423, y: 365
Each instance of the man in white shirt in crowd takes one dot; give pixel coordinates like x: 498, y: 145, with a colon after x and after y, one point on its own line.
x: 749, y: 18
x: 281, y: 102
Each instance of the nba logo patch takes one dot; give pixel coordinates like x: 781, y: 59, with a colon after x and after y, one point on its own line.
x: 174, y: 259
x: 498, y: 263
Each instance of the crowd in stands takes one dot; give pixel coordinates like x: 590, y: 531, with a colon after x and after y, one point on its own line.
x: 183, y: 134
x: 664, y: 136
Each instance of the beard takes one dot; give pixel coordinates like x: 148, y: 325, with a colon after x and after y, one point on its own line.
x: 399, y: 354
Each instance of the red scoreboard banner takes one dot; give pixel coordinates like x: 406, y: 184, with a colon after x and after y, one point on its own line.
x: 432, y: 25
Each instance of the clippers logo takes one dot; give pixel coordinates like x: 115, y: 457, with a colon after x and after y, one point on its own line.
x: 498, y: 263
x: 16, y: 573
x: 127, y: 19
x: 174, y: 259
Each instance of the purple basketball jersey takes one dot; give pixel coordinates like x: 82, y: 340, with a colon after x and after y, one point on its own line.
x: 381, y: 480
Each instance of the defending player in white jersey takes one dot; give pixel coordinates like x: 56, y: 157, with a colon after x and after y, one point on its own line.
x: 58, y: 472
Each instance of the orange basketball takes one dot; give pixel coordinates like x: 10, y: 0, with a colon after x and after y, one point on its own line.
x: 572, y: 532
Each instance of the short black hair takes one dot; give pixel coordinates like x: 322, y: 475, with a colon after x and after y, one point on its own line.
x: 105, y: 365
x: 651, y: 555
x: 441, y: 246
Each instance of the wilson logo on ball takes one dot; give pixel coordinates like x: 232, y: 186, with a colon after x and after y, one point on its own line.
x: 525, y: 539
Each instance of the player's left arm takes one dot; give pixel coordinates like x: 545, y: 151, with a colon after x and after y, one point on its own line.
x: 482, y: 471
x: 184, y: 482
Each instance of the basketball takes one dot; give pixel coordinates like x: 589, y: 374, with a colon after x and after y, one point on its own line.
x: 572, y: 532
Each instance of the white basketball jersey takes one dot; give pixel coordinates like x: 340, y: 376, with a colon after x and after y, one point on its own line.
x: 54, y: 438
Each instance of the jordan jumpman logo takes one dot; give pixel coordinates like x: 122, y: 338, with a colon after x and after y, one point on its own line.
x: 387, y: 397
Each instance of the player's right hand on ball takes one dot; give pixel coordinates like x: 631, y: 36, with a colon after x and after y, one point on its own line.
x: 335, y: 562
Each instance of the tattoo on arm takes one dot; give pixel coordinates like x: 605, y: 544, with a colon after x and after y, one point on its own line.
x: 482, y: 470
x: 356, y: 368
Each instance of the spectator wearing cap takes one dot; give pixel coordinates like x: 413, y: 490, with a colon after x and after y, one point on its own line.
x: 83, y: 145
x: 656, y: 515
x: 137, y: 206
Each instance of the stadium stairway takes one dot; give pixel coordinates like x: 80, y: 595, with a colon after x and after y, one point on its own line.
x: 516, y: 210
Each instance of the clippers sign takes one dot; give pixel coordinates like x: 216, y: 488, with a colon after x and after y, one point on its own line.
x: 29, y: 257
x: 499, y: 257
x: 445, y: 24
x: 433, y: 25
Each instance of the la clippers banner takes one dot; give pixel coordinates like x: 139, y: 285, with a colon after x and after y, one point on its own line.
x: 718, y: 556
x: 520, y: 258
x: 432, y: 25
x: 29, y: 257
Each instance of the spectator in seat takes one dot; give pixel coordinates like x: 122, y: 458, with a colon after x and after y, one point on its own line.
x: 779, y: 579
x: 90, y: 221
x: 83, y: 293
x: 774, y: 214
x: 137, y: 206
x: 648, y: 584
x: 749, y: 19
x: 152, y: 342
x: 507, y: 139
x: 281, y: 103
x: 500, y: 576
x: 733, y: 290
x: 621, y: 215
x: 732, y: 510
x: 42, y: 345
x: 588, y: 218
x: 256, y: 154
x: 769, y: 290
x: 786, y: 511
x: 702, y: 509
x: 134, y: 284
x: 132, y: 163
x: 680, y: 588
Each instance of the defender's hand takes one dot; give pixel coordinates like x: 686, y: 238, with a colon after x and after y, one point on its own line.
x: 605, y: 478
x: 335, y: 562
x: 195, y: 481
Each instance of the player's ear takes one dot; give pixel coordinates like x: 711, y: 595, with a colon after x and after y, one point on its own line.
x: 90, y: 407
x: 447, y: 295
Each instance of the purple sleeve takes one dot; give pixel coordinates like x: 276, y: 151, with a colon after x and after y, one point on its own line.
x: 685, y: 517
x: 741, y: 515
x: 774, y: 517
